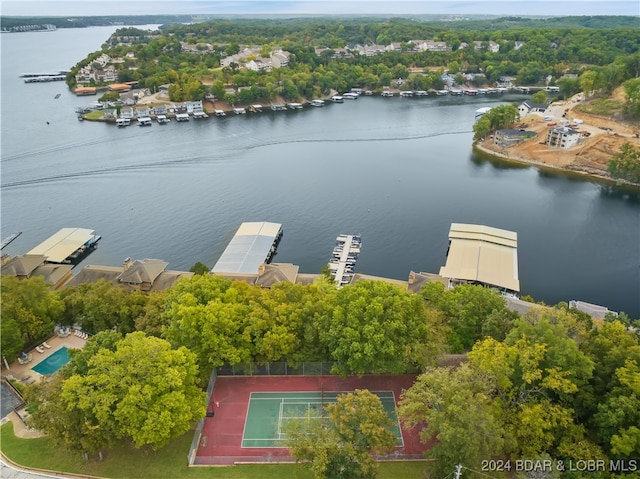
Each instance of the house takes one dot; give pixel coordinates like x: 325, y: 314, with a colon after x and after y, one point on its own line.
x: 193, y: 106
x: 126, y: 112
x: 258, y: 65
x: 510, y: 137
x: 505, y: 82
x: 280, y: 59
x: 528, y: 107
x: 30, y: 265
x: 159, y: 110
x: 518, y: 45
x: 142, y: 112
x: 562, y: 137
x: 431, y: 46
x: 143, y: 275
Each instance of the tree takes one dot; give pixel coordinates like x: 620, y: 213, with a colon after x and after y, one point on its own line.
x: 377, y: 327
x: 626, y: 164
x: 138, y: 389
x: 539, y: 97
x: 30, y: 306
x: 502, y: 116
x: 340, y: 447
x: 453, y: 409
x: 199, y: 268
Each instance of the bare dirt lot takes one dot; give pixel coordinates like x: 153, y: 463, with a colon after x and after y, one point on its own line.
x: 603, y: 139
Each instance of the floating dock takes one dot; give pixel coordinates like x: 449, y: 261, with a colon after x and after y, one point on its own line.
x: 69, y: 245
x: 253, y: 244
x: 343, y: 260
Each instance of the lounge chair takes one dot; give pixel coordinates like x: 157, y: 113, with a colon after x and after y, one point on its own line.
x: 39, y: 349
x: 46, y: 345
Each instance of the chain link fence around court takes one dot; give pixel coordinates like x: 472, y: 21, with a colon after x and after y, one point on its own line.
x: 195, y: 442
x: 276, y: 369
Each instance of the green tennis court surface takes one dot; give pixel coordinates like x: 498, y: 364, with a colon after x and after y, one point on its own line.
x: 268, y: 414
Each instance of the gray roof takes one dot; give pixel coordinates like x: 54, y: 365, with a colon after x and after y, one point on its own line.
x: 22, y: 265
x: 248, y: 249
x: 145, y: 271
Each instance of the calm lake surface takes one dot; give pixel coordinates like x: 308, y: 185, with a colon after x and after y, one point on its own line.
x: 398, y: 171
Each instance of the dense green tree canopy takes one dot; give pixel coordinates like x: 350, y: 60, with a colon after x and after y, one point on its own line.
x: 137, y: 389
x: 340, y: 447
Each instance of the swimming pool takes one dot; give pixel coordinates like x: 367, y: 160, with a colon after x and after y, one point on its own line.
x: 53, y: 362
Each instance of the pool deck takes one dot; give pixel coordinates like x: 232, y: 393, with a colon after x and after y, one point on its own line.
x: 24, y: 373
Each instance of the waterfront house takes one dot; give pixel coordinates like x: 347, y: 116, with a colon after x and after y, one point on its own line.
x: 528, y: 107
x: 159, y: 110
x: 30, y: 265
x: 510, y: 137
x: 142, y: 112
x: 562, y: 137
x: 126, y: 112
x: 193, y: 106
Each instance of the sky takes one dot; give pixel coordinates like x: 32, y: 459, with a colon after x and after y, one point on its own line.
x: 310, y: 7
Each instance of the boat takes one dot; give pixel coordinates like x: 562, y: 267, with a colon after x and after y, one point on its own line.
x: 182, y: 117
x: 455, y: 92
x: 162, y: 119
x: 144, y: 121
x: 421, y: 93
x: 442, y: 92
x: 317, y: 103
x: 343, y: 258
x: 337, y: 98
x: 406, y: 94
x: 294, y: 106
x: 368, y: 93
x: 199, y: 115
x: 387, y: 93
x: 255, y: 108
x: 278, y: 107
x: 237, y: 111
x: 482, y: 111
x: 123, y: 121
x: 350, y: 96
x: 57, y: 96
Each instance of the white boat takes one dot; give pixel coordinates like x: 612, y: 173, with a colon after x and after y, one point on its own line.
x: 294, y: 106
x: 220, y: 113
x: 368, y: 92
x: 406, y: 94
x: 144, y: 121
x: 387, y: 93
x: 199, y: 114
x: 123, y: 121
x: 337, y: 99
x: 421, y: 93
x: 162, y: 119
x: 317, y: 103
x: 239, y: 111
x: 455, y: 92
x: 442, y: 92
x: 255, y: 108
x: 350, y: 96
x: 278, y: 107
x: 182, y: 117
x: 482, y: 111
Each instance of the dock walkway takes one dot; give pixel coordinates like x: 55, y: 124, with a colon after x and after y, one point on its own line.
x: 345, y: 255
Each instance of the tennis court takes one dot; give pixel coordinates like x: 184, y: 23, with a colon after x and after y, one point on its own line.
x: 269, y: 412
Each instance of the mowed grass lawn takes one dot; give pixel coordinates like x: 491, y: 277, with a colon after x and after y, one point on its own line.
x: 169, y: 462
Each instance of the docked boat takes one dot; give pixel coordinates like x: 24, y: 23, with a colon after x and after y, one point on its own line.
x: 368, y: 93
x: 199, y: 115
x: 482, y: 111
x: 255, y: 108
x: 442, y: 92
x: 421, y: 93
x: 123, y: 122
x: 337, y: 98
x: 455, y: 92
x: 317, y: 103
x: 343, y: 259
x: 162, y: 119
x: 387, y: 93
x: 350, y: 96
x: 144, y: 121
x: 220, y: 113
x: 239, y: 111
x: 294, y: 106
x: 278, y: 107
x: 182, y: 117
x: 406, y: 94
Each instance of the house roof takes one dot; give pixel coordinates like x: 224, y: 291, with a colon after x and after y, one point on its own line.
x: 483, y: 254
x: 512, y: 132
x: 535, y: 106
x: 143, y: 271
x: 277, y: 273
x: 23, y: 265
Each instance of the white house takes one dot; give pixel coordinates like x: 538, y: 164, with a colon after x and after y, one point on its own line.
x: 562, y: 137
x: 528, y: 107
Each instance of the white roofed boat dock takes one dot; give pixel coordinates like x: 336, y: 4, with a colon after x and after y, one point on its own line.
x: 253, y: 244
x: 67, y: 245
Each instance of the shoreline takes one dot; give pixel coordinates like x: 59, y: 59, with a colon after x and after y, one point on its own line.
x: 542, y: 165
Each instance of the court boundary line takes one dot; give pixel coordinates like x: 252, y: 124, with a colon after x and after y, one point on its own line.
x: 315, y: 396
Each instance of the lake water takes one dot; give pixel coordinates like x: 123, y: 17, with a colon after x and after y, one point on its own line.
x: 397, y: 171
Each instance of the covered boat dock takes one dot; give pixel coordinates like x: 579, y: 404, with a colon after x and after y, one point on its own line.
x: 482, y: 254
x: 67, y: 245
x: 253, y: 244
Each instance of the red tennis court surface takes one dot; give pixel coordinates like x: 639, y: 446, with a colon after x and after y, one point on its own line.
x: 221, y: 439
